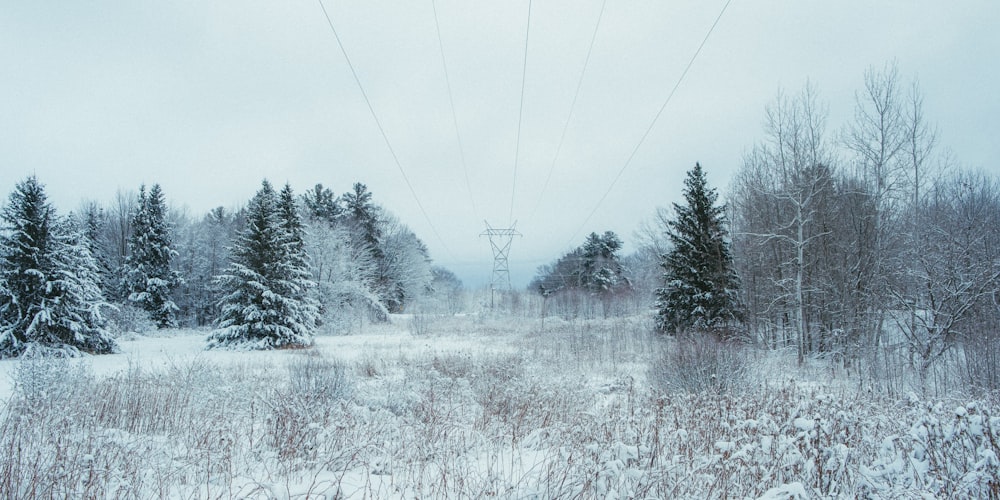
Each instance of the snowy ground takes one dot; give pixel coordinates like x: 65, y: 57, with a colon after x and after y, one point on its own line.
x: 161, y: 349
x: 472, y: 407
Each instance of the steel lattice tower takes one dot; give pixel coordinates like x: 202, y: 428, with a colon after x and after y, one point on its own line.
x: 500, y: 240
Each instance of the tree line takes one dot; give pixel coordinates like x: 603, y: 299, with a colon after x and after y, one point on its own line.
x: 265, y: 276
x: 869, y: 238
x: 868, y: 245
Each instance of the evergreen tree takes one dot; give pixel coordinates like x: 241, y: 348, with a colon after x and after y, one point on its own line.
x: 565, y: 274
x: 291, y: 225
x: 367, y: 223
x: 149, y: 279
x: 95, y: 222
x: 593, y: 269
x: 363, y: 217
x: 322, y: 204
x: 262, y: 307
x: 699, y: 291
x: 602, y: 271
x: 49, y: 296
x: 297, y: 272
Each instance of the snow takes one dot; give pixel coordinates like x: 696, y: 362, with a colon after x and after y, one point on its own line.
x: 725, y: 446
x: 804, y: 424
x: 482, y: 406
x: 166, y: 348
x: 791, y: 491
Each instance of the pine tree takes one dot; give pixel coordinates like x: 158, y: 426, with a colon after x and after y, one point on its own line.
x: 322, y: 204
x: 94, y: 220
x: 149, y: 279
x: 363, y: 217
x: 297, y: 273
x: 49, y: 297
x: 263, y: 308
x: 603, y: 273
x: 364, y: 220
x: 699, y: 291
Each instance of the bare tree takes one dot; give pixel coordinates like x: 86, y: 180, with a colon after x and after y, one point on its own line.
x: 776, y: 198
x: 118, y: 232
x: 955, y: 269
x: 877, y: 138
x: 405, y: 266
x: 345, y: 271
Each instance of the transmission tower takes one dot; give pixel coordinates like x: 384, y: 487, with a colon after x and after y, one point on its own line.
x: 500, y: 240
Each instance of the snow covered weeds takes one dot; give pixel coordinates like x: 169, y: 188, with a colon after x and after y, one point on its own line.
x: 571, y: 410
x: 703, y: 364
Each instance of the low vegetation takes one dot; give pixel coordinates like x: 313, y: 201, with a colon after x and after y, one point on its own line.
x: 593, y: 409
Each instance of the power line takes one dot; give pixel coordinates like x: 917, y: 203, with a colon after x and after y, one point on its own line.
x: 382, y: 130
x: 454, y: 117
x: 653, y: 122
x: 520, y: 112
x: 572, y: 108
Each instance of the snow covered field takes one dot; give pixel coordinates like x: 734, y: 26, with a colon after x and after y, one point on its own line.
x: 473, y: 407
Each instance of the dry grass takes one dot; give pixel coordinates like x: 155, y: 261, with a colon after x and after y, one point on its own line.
x: 571, y: 414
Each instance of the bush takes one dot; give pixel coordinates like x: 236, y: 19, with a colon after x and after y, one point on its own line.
x: 701, y: 363
x: 46, y: 383
x: 420, y: 324
x: 316, y: 378
x: 125, y: 318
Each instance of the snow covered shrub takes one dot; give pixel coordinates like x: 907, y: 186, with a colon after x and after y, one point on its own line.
x: 370, y: 367
x: 124, y: 319
x: 43, y: 383
x: 454, y: 365
x: 702, y: 363
x: 948, y: 452
x: 420, y: 323
x: 193, y: 429
x: 347, y: 306
x: 51, y: 446
x: 300, y: 413
x: 515, y: 399
x: 315, y: 377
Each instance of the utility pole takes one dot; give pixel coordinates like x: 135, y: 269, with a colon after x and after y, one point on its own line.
x: 500, y: 240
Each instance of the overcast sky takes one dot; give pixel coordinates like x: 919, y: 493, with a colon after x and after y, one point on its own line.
x: 208, y: 98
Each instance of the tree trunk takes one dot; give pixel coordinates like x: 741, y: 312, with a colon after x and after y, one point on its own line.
x: 799, y: 302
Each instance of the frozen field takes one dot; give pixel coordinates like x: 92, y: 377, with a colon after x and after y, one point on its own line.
x: 467, y: 407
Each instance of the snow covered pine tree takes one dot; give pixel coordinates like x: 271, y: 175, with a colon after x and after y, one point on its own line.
x: 603, y: 273
x: 700, y: 283
x: 266, y: 305
x: 49, y: 298
x: 148, y: 277
x: 298, y: 272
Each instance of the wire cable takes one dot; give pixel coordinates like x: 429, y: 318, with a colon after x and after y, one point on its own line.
x: 454, y: 116
x: 520, y: 113
x: 652, y: 123
x: 572, y: 108
x: 381, y: 130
